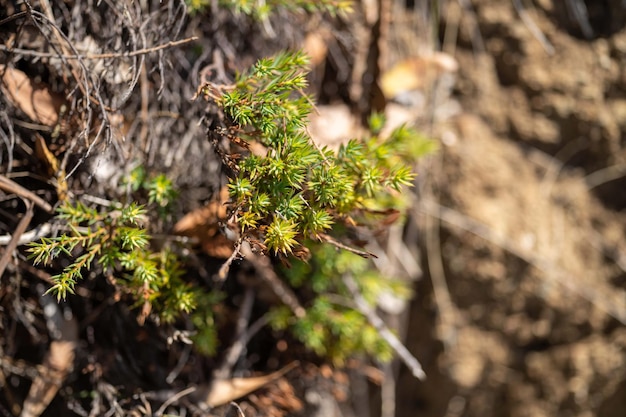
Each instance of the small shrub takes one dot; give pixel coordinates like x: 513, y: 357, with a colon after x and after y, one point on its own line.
x: 292, y: 199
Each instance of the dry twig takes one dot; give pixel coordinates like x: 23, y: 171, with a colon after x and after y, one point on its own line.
x: 108, y: 55
x: 19, y: 230
x: 234, y: 351
x: 11, y: 186
x: 407, y: 357
x: 266, y: 272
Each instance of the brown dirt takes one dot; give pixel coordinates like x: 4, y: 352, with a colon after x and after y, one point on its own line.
x: 532, y: 229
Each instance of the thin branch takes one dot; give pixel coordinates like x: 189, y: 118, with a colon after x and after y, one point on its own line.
x: 81, y: 78
x: 11, y: 186
x: 447, y: 319
x: 604, y: 175
x: 470, y: 14
x: 225, y: 268
x: 256, y: 327
x: 13, y: 17
x: 19, y: 230
x: 613, y: 306
x: 138, y: 52
x: 407, y: 357
x: 173, y: 399
x: 329, y: 239
x: 578, y: 9
x: 182, y: 361
x: 234, y: 351
x: 266, y: 271
x: 239, y: 410
x: 30, y: 236
x: 534, y: 29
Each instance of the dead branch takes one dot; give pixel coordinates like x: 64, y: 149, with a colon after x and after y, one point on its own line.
x: 234, y: 351
x: 267, y: 273
x: 11, y: 186
x: 19, y: 231
x: 407, y: 357
x: 108, y: 55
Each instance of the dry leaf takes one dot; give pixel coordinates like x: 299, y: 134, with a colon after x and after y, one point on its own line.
x: 56, y: 366
x: 45, y: 156
x: 315, y: 47
x: 204, y: 225
x: 35, y: 100
x: 222, y: 392
x: 416, y: 73
x: 333, y: 125
x: 52, y: 166
x: 257, y: 149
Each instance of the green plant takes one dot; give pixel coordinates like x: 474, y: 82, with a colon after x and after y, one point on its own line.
x: 333, y: 326
x: 114, y: 242
x: 297, y: 197
x: 159, y: 188
x: 297, y: 190
x: 262, y: 9
x: 293, y: 198
x: 109, y: 238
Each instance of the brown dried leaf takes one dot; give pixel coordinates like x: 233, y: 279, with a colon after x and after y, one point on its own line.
x: 315, y: 47
x: 45, y: 156
x: 257, y: 149
x: 284, y: 396
x: 416, y: 73
x: 52, y: 166
x: 53, y: 372
x: 204, y: 224
x: 222, y: 392
x: 35, y: 100
x: 333, y: 125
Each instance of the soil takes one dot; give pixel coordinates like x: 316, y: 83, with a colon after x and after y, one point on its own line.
x: 522, y: 307
x: 519, y: 220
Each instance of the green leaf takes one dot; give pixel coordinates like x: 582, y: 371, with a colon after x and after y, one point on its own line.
x: 371, y: 180
x: 316, y: 221
x: 280, y: 318
x: 160, y: 190
x: 132, y: 213
x: 132, y: 238
x: 240, y: 189
x: 376, y: 122
x: 136, y: 178
x: 280, y: 236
